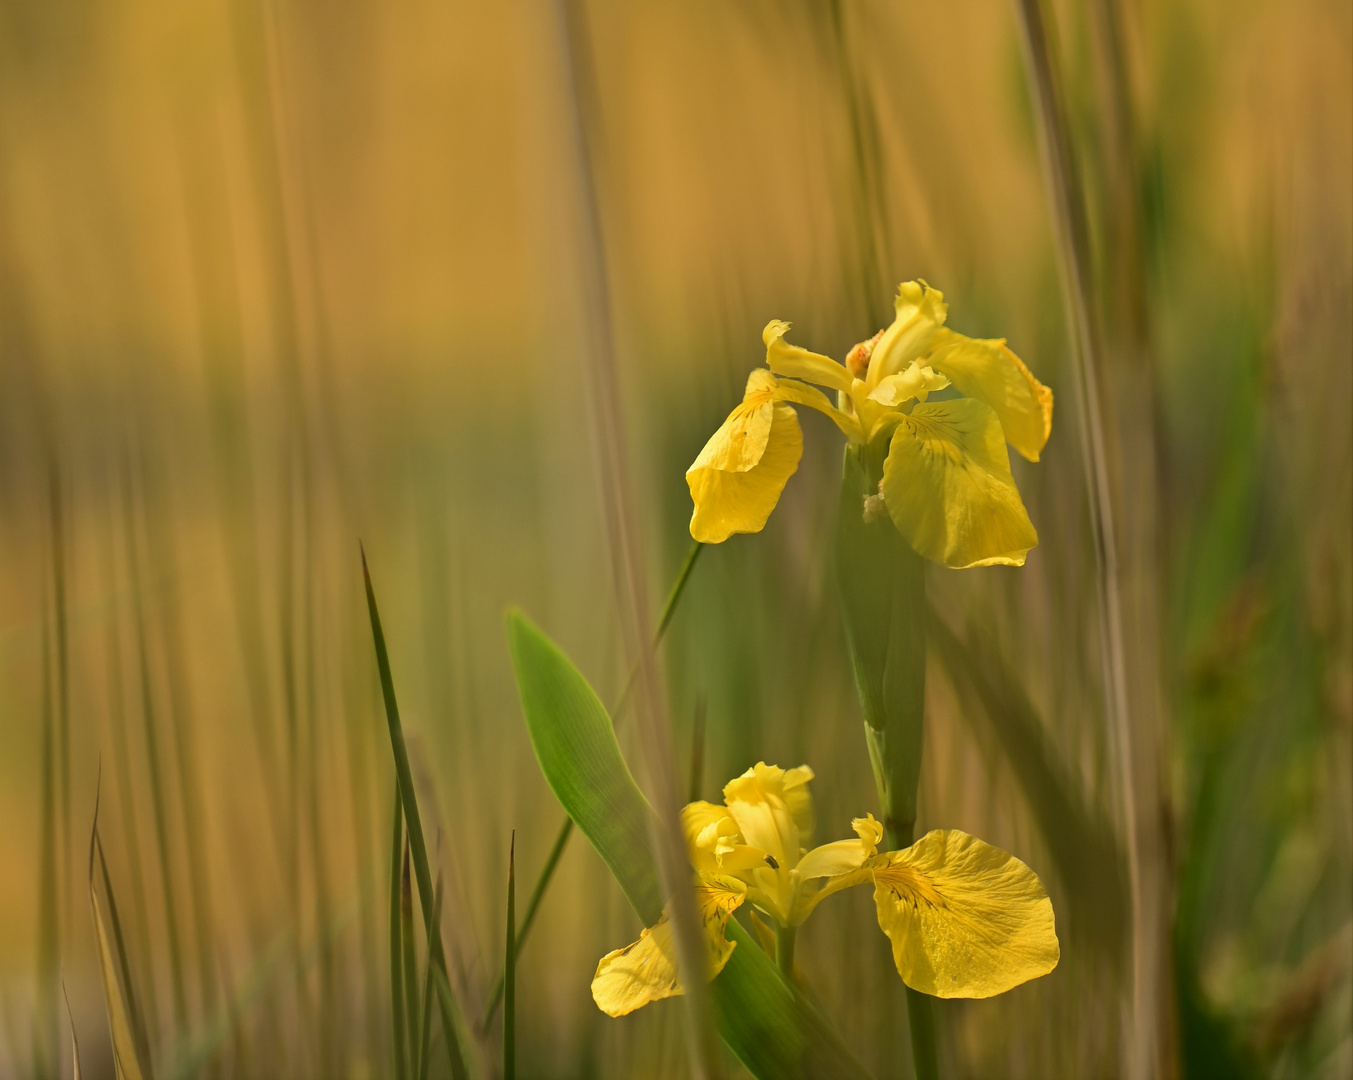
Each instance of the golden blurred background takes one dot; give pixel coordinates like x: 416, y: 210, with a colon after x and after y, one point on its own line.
x: 278, y: 275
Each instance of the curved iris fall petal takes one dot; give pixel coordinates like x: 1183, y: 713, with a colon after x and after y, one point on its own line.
x: 966, y: 919
x: 948, y: 488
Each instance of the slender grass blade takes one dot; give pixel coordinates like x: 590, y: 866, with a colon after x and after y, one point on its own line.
x: 74, y: 1042
x: 425, y: 1011
x: 396, y: 948
x: 134, y: 1012
x: 410, y: 959
x: 510, y: 968
x: 407, y: 801
x: 125, y: 1059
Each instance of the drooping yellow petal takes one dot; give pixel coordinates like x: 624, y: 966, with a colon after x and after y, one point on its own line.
x: 918, y: 381
x: 965, y: 919
x: 797, y: 363
x: 801, y: 393
x: 921, y: 311
x: 738, y: 477
x: 948, y: 488
x: 989, y: 371
x: 646, y: 971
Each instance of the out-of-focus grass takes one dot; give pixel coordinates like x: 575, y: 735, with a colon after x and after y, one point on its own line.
x: 273, y: 277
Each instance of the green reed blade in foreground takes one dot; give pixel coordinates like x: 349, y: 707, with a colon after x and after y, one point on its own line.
x: 133, y: 1009
x: 396, y: 952
x: 510, y: 968
x: 409, y: 961
x: 425, y: 1009
x: 125, y: 1059
x: 767, y: 1023
x: 407, y: 800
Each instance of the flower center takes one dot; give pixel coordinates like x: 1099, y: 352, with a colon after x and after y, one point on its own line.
x: 857, y: 360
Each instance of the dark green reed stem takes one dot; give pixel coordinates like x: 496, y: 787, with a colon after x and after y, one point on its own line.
x: 566, y: 828
x: 883, y: 610
x: 425, y: 1010
x: 510, y: 968
x: 408, y: 799
x: 47, y: 1050
x: 396, y: 952
x: 784, y: 951
x: 410, y: 961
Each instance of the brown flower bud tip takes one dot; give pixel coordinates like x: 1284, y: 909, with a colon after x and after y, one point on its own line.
x: 857, y: 360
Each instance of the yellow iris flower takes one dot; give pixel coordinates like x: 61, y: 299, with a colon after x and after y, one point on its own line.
x: 965, y: 918
x: 946, y: 480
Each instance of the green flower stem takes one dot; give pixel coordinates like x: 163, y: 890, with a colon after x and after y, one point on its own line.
x: 566, y: 829
x: 883, y: 611
x: 784, y: 951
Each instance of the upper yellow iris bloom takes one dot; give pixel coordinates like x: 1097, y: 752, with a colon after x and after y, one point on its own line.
x: 946, y: 480
x: 965, y: 918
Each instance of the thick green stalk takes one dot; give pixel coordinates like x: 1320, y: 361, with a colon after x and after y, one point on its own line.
x: 883, y: 610
x: 784, y: 951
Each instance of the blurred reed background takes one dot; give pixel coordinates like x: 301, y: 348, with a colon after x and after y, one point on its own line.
x: 278, y: 275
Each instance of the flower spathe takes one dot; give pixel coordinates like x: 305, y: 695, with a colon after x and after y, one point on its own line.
x: 946, y: 482
x: 965, y: 919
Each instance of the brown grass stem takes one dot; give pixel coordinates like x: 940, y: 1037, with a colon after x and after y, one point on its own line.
x: 655, y: 737
x: 1076, y: 265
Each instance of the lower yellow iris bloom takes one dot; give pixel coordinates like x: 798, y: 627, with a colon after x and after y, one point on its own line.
x: 965, y: 918
x: 946, y: 480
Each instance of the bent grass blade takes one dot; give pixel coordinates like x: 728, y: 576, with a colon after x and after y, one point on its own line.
x: 125, y: 1058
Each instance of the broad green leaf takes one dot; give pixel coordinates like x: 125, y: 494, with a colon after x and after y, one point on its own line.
x: 766, y: 1022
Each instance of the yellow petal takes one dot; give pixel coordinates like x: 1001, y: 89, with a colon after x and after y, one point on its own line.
x: 921, y: 311
x: 647, y: 970
x: 803, y: 394
x: 800, y: 800
x: 738, y: 477
x: 966, y: 919
x: 948, y: 488
x: 989, y: 371
x: 786, y: 359
x: 916, y: 382
x: 759, y: 801
x: 832, y: 867
x: 703, y: 824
